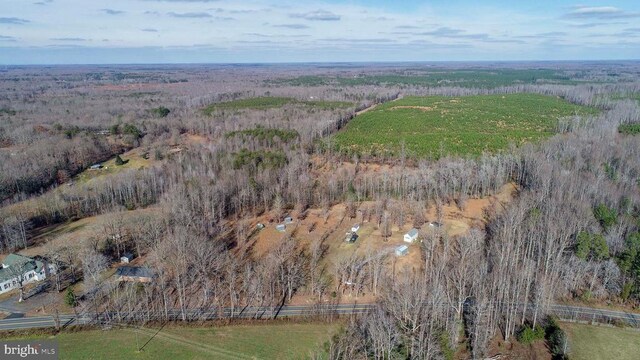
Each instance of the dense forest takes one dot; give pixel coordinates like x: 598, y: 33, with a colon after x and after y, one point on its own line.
x: 230, y: 147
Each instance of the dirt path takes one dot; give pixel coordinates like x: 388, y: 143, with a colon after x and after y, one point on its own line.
x: 375, y: 105
x: 219, y: 353
x: 423, y: 108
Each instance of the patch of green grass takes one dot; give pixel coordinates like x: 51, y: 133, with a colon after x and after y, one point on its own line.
x: 263, y: 341
x: 629, y: 129
x: 268, y: 102
x: 436, y: 126
x: 478, y: 78
x: 133, y: 160
x: 596, y: 342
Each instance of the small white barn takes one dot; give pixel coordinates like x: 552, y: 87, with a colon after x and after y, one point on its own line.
x: 288, y: 220
x: 281, y: 227
x: 355, y: 228
x: 402, y: 250
x: 411, y: 235
x: 435, y: 225
x: 126, y: 258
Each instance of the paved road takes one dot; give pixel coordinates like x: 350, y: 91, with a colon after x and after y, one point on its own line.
x: 33, y: 322
x: 565, y: 312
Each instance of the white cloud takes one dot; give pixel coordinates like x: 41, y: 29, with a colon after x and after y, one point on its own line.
x: 317, y: 15
x: 599, y: 12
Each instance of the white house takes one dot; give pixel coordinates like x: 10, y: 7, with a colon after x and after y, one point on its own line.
x: 402, y: 250
x: 355, y: 228
x: 17, y: 267
x: 411, y: 236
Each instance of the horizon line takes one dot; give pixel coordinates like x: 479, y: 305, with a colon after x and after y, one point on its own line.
x: 328, y: 62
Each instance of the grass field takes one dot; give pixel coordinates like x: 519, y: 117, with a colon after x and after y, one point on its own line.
x: 436, y: 126
x: 262, y: 341
x: 133, y: 159
x: 268, y: 102
x: 600, y: 343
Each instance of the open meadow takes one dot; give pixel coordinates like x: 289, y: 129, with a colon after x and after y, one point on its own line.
x: 589, y: 342
x: 437, y: 126
x: 258, y: 341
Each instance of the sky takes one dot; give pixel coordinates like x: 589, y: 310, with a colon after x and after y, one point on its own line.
x: 283, y: 31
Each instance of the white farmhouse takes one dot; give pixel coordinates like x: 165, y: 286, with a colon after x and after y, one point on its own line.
x: 18, y: 269
x: 411, y: 236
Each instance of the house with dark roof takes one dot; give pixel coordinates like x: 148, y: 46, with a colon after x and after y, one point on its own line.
x: 17, y: 269
x: 134, y: 274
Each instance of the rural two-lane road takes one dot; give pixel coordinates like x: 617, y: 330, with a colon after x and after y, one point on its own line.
x: 564, y: 312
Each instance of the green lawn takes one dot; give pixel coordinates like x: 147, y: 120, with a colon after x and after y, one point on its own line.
x: 262, y: 341
x: 436, y: 126
x: 133, y: 160
x: 269, y: 102
x: 599, y: 342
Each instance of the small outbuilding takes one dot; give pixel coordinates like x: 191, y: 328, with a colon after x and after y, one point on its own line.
x: 260, y: 226
x: 355, y: 228
x: 402, y: 250
x: 351, y: 237
x: 288, y: 220
x: 126, y: 258
x: 411, y: 235
x: 95, y: 167
x: 281, y: 227
x: 435, y: 225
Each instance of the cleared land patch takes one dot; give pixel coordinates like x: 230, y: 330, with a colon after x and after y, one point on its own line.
x: 268, y: 102
x: 600, y: 342
x: 436, y: 126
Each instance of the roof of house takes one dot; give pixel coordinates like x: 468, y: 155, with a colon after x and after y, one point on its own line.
x: 402, y: 248
x: 23, y: 262
x: 133, y: 271
x: 413, y: 232
x: 128, y: 255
